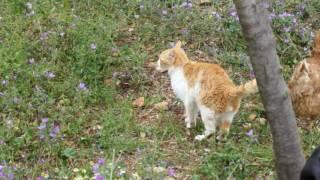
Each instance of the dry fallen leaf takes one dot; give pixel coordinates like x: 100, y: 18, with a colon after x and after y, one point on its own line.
x: 108, y: 82
x: 252, y: 117
x: 247, y: 125
x: 262, y: 121
x: 151, y: 65
x: 204, y: 2
x: 138, y: 102
x: 142, y: 134
x: 161, y: 106
x: 159, y: 169
x: 169, y: 178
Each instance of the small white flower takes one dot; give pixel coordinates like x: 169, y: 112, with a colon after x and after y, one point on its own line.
x: 29, y: 5
x: 164, y: 12
x: 93, y: 46
x: 31, y: 13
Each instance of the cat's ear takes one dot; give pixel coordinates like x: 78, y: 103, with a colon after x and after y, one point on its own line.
x: 304, y: 67
x: 172, y: 55
x: 178, y: 44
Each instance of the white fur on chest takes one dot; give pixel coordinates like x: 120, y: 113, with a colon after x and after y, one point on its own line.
x: 179, y: 83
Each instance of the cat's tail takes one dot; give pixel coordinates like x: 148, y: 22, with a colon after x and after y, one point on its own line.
x: 248, y: 88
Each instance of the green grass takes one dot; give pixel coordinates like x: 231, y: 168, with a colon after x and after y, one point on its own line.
x: 82, y: 63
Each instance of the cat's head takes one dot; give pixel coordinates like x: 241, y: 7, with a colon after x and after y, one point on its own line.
x: 172, y: 57
x: 304, y: 77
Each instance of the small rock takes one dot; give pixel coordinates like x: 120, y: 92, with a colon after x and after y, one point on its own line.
x: 159, y: 169
x: 138, y: 102
x: 262, y: 121
x: 247, y: 125
x: 142, y: 134
x: 206, y: 150
x: 161, y: 106
x: 204, y: 2
x: 136, y: 176
x: 252, y: 117
x: 108, y: 82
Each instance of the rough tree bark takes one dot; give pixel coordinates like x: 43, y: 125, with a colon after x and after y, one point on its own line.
x: 262, y: 51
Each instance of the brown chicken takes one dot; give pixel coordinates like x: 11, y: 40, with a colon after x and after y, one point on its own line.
x: 304, y: 85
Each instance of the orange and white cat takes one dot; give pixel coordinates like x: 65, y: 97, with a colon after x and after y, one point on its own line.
x: 203, y: 87
x: 305, y: 85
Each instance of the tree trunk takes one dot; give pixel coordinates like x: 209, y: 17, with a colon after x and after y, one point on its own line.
x: 262, y: 51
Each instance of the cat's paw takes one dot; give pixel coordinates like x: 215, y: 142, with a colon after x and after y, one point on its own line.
x: 200, y: 137
x: 188, y: 125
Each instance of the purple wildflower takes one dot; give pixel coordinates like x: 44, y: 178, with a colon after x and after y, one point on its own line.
x: 184, y: 4
x: 189, y: 5
x: 44, y: 120
x: 233, y: 13
x: 93, y: 46
x: 286, y: 29
x: 95, y: 168
x: 271, y: 16
x: 41, y: 161
x: 10, y: 176
x: 44, y: 36
x: 1, y: 94
x: 250, y: 133
x: 286, y: 40
x: 171, y: 172
x: 49, y: 75
x: 39, y: 178
x: 113, y: 49
x: 184, y: 31
x: 82, y: 86
x: 216, y: 14
x: 2, y: 175
x: 101, y: 161
x: 285, y: 14
x: 1, y: 167
x: 55, y: 130
x: 99, y: 177
x: 42, y: 127
x: 30, y: 61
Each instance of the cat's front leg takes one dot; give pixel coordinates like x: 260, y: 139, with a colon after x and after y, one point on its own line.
x: 191, y: 111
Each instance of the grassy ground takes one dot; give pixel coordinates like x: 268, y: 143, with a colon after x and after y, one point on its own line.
x: 70, y: 71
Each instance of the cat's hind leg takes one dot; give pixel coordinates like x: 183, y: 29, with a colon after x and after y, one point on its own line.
x: 209, y: 121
